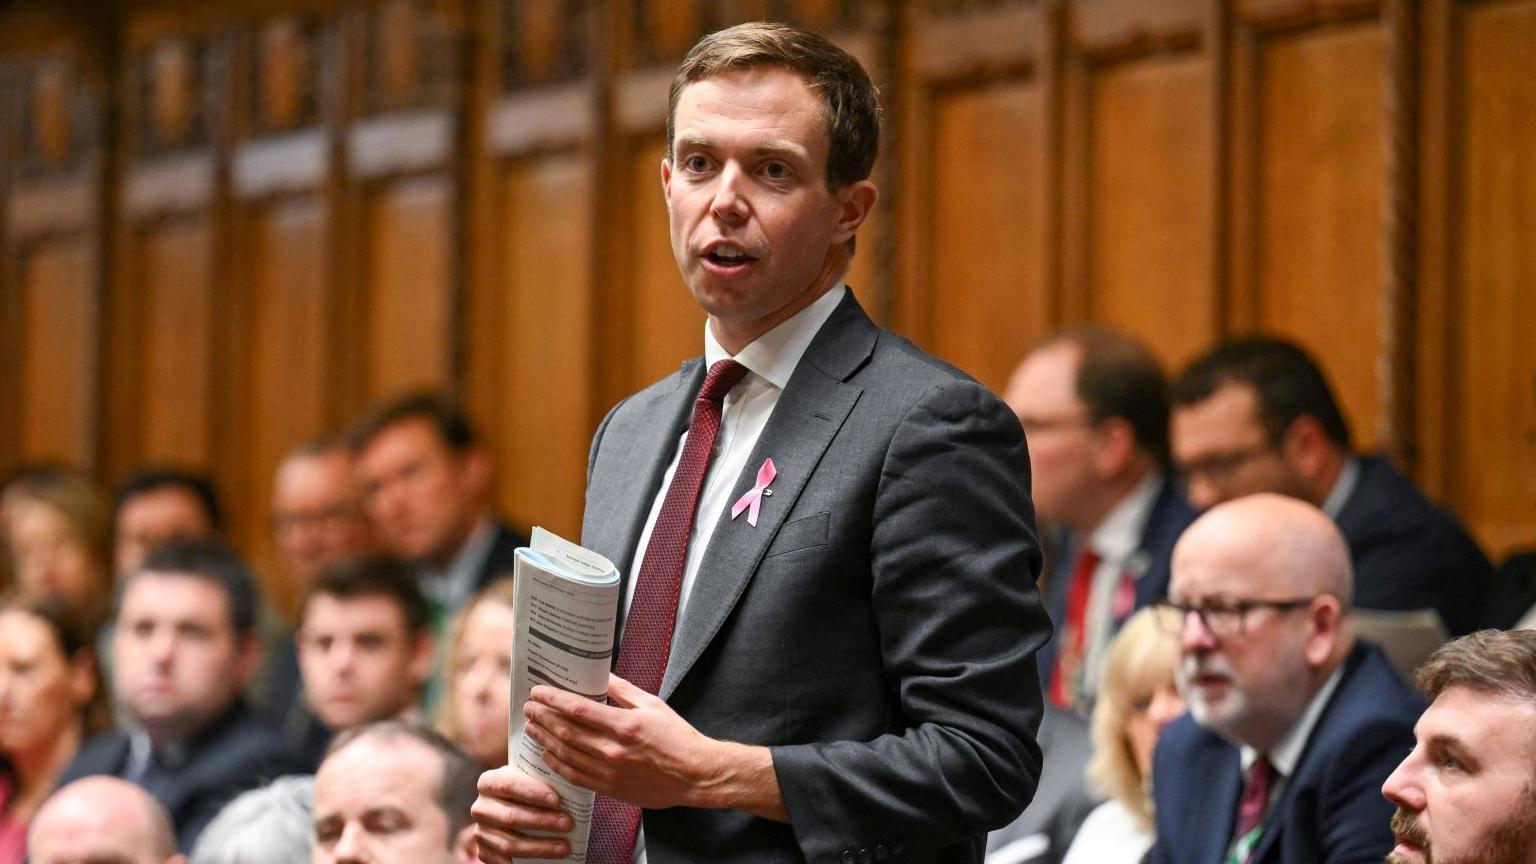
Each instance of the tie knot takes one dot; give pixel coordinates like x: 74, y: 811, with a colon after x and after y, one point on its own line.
x: 722, y: 376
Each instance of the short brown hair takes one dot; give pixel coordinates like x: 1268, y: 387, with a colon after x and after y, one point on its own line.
x: 372, y: 575
x: 1118, y: 377
x: 1501, y: 662
x: 851, y: 103
x: 440, y: 411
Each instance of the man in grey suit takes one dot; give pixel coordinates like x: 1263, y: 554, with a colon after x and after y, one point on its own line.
x: 847, y: 671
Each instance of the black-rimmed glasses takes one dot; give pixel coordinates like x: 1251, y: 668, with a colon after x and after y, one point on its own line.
x: 1223, y: 618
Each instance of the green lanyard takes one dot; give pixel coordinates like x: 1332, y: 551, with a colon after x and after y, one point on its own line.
x: 1244, y: 845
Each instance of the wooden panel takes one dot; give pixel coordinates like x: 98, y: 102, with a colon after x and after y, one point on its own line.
x: 289, y: 308
x: 59, y: 335
x: 546, y: 333
x: 1493, y: 293
x: 985, y: 229
x: 1321, y: 173
x: 1152, y: 217
x: 667, y: 327
x: 175, y: 341
x: 409, y: 289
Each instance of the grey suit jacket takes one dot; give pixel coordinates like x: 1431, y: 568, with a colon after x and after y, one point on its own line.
x: 876, y: 629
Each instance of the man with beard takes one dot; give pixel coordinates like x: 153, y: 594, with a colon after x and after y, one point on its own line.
x: 1292, y: 721
x: 1467, y: 792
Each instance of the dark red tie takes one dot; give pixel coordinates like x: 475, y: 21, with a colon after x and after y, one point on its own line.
x: 1257, y: 783
x: 1074, y: 631
x: 647, y: 641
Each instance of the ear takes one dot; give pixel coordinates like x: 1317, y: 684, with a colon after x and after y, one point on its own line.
x: 475, y: 472
x: 248, y: 661
x: 465, y: 849
x: 1116, y: 446
x: 82, y: 678
x: 855, y: 201
x: 422, y: 657
x: 666, y: 181
x: 1325, y: 620
x: 1305, y: 445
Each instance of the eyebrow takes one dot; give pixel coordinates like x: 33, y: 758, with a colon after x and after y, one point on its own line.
x: 773, y: 147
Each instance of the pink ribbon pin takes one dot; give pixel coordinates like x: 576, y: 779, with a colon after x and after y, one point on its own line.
x: 752, y: 502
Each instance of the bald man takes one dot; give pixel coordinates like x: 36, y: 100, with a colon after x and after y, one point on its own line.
x: 102, y: 820
x: 1293, y: 723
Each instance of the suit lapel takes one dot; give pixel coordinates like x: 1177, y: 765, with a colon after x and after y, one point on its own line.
x: 623, y: 488
x: 1224, y: 785
x: 812, y: 408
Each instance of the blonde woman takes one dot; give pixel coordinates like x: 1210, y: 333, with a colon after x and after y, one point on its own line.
x: 1137, y: 698
x: 477, y: 701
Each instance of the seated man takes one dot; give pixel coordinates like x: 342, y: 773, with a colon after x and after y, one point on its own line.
x: 394, y: 793
x: 1094, y: 405
x: 159, y: 505
x: 1467, y: 792
x: 102, y: 819
x: 1257, y: 415
x: 1292, y: 722
x: 185, y: 646
x: 317, y: 520
x: 364, y: 646
x: 427, y: 480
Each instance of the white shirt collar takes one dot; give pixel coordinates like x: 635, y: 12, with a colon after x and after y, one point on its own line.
x: 774, y: 355
x: 1343, y: 487
x: 1287, y: 753
x: 1119, y: 534
x: 453, y: 586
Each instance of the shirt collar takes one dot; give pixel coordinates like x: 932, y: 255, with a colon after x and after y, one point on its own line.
x: 1288, y: 752
x: 456, y: 583
x: 774, y: 355
x: 1119, y: 534
x: 1342, y: 488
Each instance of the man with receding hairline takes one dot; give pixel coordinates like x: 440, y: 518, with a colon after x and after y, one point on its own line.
x: 1292, y: 722
x: 101, y: 820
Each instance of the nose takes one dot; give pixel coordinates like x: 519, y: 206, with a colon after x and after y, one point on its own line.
x: 1194, y: 636
x: 729, y: 205
x: 351, y: 847
x: 1402, y: 787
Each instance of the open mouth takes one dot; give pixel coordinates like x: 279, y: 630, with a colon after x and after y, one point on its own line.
x: 728, y: 257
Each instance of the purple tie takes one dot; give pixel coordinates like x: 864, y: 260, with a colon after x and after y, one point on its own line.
x: 652, y: 616
x: 1255, y: 800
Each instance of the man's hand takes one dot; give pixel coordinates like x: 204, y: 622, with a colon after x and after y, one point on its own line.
x: 511, y: 804
x: 639, y: 750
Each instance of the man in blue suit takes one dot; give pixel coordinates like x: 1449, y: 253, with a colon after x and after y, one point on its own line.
x: 1257, y: 415
x: 1293, y: 725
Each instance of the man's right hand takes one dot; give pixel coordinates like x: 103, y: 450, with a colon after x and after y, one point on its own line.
x: 512, y: 804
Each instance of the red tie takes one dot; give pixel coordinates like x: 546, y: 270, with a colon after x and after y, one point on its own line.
x: 1074, y: 631
x: 647, y: 641
x: 1255, y: 800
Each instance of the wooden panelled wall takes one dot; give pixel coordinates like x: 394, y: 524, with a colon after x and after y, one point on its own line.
x: 229, y: 226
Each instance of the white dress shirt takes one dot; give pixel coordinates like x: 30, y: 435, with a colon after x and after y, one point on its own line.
x: 770, y: 360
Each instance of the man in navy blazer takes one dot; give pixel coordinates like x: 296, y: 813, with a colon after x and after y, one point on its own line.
x: 1293, y: 724
x: 851, y: 677
x: 184, y: 646
x: 1257, y: 415
x: 1094, y: 406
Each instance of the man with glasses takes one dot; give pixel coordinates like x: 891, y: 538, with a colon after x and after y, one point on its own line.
x: 1293, y: 724
x: 1257, y: 415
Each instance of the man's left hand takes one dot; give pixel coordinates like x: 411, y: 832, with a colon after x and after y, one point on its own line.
x: 639, y: 750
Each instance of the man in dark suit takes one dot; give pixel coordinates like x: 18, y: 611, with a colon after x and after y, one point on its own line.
x: 1293, y: 724
x: 185, y: 646
x: 1094, y: 405
x: 851, y: 676
x: 426, y: 483
x: 1257, y: 415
